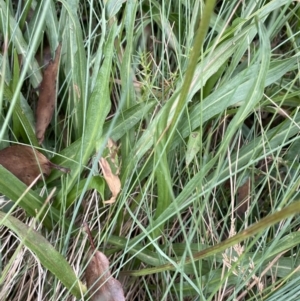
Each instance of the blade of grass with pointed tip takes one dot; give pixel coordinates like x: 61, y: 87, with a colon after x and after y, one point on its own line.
x: 46, y: 253
x: 31, y: 202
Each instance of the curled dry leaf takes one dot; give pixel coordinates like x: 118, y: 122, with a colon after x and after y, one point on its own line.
x: 101, y: 285
x: 26, y: 163
x: 111, y: 179
x: 46, y: 102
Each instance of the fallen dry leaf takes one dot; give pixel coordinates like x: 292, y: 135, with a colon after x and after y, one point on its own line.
x: 101, y: 285
x: 112, y: 180
x: 47, y: 98
x: 26, y: 163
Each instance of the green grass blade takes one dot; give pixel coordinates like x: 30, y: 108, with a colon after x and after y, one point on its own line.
x: 46, y: 253
x: 75, y: 64
x: 125, y: 121
x: 31, y: 202
x: 194, y: 57
x: 258, y: 227
x: 24, y: 114
x: 99, y: 107
x: 20, y: 43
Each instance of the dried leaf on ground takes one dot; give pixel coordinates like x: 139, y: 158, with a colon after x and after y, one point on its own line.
x: 26, y: 163
x: 112, y: 180
x: 101, y: 285
x: 47, y: 98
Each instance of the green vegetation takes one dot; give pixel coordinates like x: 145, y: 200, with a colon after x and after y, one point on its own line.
x: 201, y: 99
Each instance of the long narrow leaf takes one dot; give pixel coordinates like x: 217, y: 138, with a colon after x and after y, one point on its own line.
x: 46, y: 253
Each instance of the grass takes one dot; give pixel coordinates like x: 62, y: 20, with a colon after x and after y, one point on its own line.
x: 202, y: 102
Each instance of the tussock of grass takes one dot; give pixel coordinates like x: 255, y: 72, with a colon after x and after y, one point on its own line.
x: 207, y: 128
